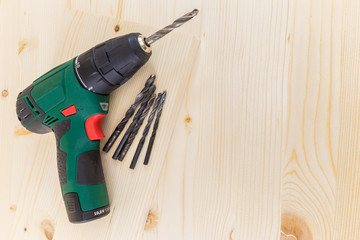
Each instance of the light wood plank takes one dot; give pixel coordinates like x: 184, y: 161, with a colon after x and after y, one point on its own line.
x: 348, y: 192
x: 265, y: 142
x: 312, y: 129
x: 109, y: 8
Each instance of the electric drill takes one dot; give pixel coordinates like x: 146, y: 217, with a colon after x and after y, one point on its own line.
x: 71, y: 100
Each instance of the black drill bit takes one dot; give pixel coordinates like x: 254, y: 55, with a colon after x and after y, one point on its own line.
x: 129, y: 114
x: 136, y: 128
x: 146, y: 131
x: 132, y: 125
x: 156, y: 124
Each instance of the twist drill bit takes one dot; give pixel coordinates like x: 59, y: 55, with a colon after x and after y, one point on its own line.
x: 156, y: 124
x: 177, y: 23
x: 146, y: 131
x: 136, y: 128
x: 129, y: 114
x: 132, y: 125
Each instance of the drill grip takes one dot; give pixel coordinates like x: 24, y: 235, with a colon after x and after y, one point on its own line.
x: 80, y: 172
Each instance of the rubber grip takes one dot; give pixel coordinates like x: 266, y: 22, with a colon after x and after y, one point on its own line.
x: 80, y: 172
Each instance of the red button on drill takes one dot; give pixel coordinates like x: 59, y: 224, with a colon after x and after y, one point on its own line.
x: 93, y: 127
x: 69, y: 111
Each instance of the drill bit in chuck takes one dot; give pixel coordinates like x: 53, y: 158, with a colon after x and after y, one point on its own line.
x: 177, y: 23
x: 129, y: 114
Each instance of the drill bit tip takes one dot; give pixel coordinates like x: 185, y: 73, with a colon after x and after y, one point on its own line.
x: 177, y: 23
x: 195, y: 11
x: 150, y: 80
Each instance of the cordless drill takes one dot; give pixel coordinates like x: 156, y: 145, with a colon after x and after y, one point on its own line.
x: 71, y: 100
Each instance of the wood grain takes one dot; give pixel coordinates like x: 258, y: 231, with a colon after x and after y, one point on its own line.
x: 348, y: 190
x: 311, y: 136
x: 264, y: 144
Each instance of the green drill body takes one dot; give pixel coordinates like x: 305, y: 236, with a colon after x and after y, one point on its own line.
x: 53, y: 92
x: 71, y: 100
x: 64, y: 91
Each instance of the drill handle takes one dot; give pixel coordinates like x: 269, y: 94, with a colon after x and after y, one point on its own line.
x: 80, y: 172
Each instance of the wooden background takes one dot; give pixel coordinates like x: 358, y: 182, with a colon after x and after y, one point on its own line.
x: 260, y: 139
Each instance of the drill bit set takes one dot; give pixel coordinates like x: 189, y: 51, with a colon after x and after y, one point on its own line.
x: 146, y: 99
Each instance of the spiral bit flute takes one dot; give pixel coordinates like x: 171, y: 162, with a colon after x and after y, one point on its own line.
x: 129, y: 114
x: 145, y: 133
x: 132, y: 125
x: 136, y: 128
x: 177, y: 23
x: 156, y: 124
